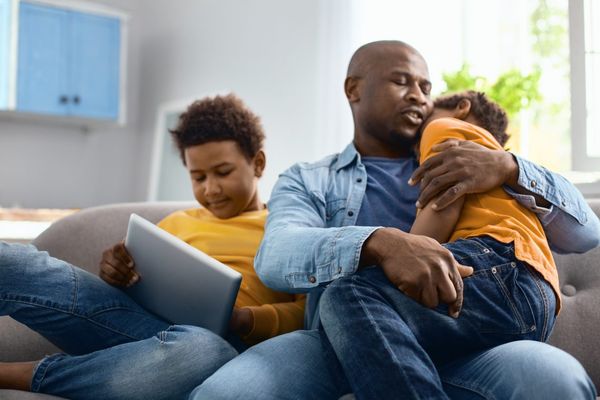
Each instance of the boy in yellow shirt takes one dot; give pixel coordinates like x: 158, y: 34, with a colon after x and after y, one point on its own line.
x: 510, y: 279
x: 116, y: 349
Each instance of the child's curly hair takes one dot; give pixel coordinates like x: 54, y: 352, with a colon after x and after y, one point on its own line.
x: 219, y: 118
x: 488, y: 113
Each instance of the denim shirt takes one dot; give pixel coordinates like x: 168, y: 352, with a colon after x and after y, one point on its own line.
x: 298, y: 255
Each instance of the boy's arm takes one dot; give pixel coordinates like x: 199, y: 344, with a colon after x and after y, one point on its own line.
x: 275, y: 319
x: 463, y: 167
x: 437, y: 224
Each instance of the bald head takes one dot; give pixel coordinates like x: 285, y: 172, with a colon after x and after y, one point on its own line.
x: 372, y: 54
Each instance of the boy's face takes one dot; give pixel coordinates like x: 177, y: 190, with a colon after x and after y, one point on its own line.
x: 223, y: 179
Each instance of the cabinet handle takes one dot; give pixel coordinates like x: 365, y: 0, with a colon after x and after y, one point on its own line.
x: 76, y: 99
x: 63, y: 99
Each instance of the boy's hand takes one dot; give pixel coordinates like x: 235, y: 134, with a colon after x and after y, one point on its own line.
x: 242, y: 321
x: 462, y: 167
x: 117, y: 267
x: 419, y: 266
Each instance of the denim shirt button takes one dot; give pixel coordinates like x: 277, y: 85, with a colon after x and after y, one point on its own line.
x: 350, y: 213
x: 533, y: 184
x: 312, y: 279
x: 359, y: 180
x: 339, y: 270
x: 564, y: 203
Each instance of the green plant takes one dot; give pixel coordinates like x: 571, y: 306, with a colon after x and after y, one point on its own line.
x: 513, y: 90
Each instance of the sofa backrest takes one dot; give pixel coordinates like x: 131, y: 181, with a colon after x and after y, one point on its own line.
x: 81, y: 238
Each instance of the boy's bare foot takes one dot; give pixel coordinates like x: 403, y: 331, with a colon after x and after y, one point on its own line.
x: 16, y: 375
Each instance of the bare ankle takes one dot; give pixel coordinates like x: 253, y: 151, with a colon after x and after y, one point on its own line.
x: 16, y: 375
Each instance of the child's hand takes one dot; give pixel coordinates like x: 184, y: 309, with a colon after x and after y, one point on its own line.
x: 117, y: 267
x: 242, y: 321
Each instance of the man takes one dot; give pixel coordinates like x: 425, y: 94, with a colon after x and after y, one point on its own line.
x: 325, y: 221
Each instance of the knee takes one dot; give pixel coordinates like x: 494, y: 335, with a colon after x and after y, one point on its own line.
x: 13, y: 259
x: 202, y: 350
x: 551, y: 373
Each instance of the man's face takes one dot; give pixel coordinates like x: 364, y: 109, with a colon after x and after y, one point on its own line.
x: 394, y: 98
x: 223, y: 180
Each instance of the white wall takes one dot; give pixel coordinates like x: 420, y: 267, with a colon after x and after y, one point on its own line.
x: 48, y: 165
x: 264, y: 50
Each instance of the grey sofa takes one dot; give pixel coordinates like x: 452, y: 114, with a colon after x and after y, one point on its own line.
x: 80, y: 239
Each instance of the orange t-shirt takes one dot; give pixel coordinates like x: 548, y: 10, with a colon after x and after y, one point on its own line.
x: 234, y: 242
x: 494, y: 213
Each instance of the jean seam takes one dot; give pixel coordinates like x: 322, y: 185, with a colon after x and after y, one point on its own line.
x: 376, y: 329
x: 75, y: 289
x: 87, y: 318
x: 512, y: 304
x: 537, y: 282
x: 462, y: 385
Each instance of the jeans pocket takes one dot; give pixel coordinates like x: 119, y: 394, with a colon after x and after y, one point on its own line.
x: 499, y: 301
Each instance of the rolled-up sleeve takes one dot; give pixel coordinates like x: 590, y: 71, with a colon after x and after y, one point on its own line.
x: 570, y: 224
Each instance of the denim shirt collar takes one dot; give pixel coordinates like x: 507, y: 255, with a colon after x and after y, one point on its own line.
x: 348, y: 156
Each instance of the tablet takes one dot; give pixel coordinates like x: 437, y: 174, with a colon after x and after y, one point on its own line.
x: 178, y: 282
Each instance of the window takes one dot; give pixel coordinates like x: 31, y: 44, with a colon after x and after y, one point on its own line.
x: 558, y: 125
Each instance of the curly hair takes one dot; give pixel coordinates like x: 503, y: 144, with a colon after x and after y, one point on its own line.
x: 219, y: 118
x: 488, y: 113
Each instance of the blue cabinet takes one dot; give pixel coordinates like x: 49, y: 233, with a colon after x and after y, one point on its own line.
x: 68, y: 63
x: 5, y: 17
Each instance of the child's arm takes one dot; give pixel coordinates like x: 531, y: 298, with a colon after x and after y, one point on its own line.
x: 275, y: 319
x: 438, y: 225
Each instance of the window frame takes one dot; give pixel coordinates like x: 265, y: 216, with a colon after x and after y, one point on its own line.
x: 579, y: 155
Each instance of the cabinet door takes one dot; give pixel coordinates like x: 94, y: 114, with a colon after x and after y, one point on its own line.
x: 95, y: 66
x: 5, y: 23
x: 43, y: 59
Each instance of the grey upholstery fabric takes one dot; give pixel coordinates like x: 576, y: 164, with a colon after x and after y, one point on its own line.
x: 576, y: 329
x: 81, y: 238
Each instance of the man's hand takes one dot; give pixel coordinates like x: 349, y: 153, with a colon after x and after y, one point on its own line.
x: 117, y: 267
x: 242, y: 321
x: 462, y: 167
x: 419, y: 266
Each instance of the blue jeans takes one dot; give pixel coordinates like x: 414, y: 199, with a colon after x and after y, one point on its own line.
x: 114, y: 348
x: 391, y: 347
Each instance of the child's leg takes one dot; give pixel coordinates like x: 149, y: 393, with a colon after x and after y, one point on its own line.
x: 388, y: 344
x: 166, y: 366
x: 72, y: 308
x: 132, y: 354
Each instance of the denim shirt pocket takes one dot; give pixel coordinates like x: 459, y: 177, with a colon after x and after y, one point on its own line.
x: 333, y: 208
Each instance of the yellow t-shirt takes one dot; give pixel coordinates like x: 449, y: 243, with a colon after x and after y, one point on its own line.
x: 494, y: 213
x: 234, y: 242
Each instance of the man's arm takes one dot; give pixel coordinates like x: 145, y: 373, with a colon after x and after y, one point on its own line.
x: 298, y: 252
x: 465, y: 167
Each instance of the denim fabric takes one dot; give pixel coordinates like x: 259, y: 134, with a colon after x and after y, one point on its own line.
x: 293, y: 367
x: 390, y: 346
x: 115, y: 349
x: 296, y: 255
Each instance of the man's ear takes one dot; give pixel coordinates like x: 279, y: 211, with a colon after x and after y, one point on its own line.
x: 351, y: 88
x: 259, y: 161
x: 462, y: 110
